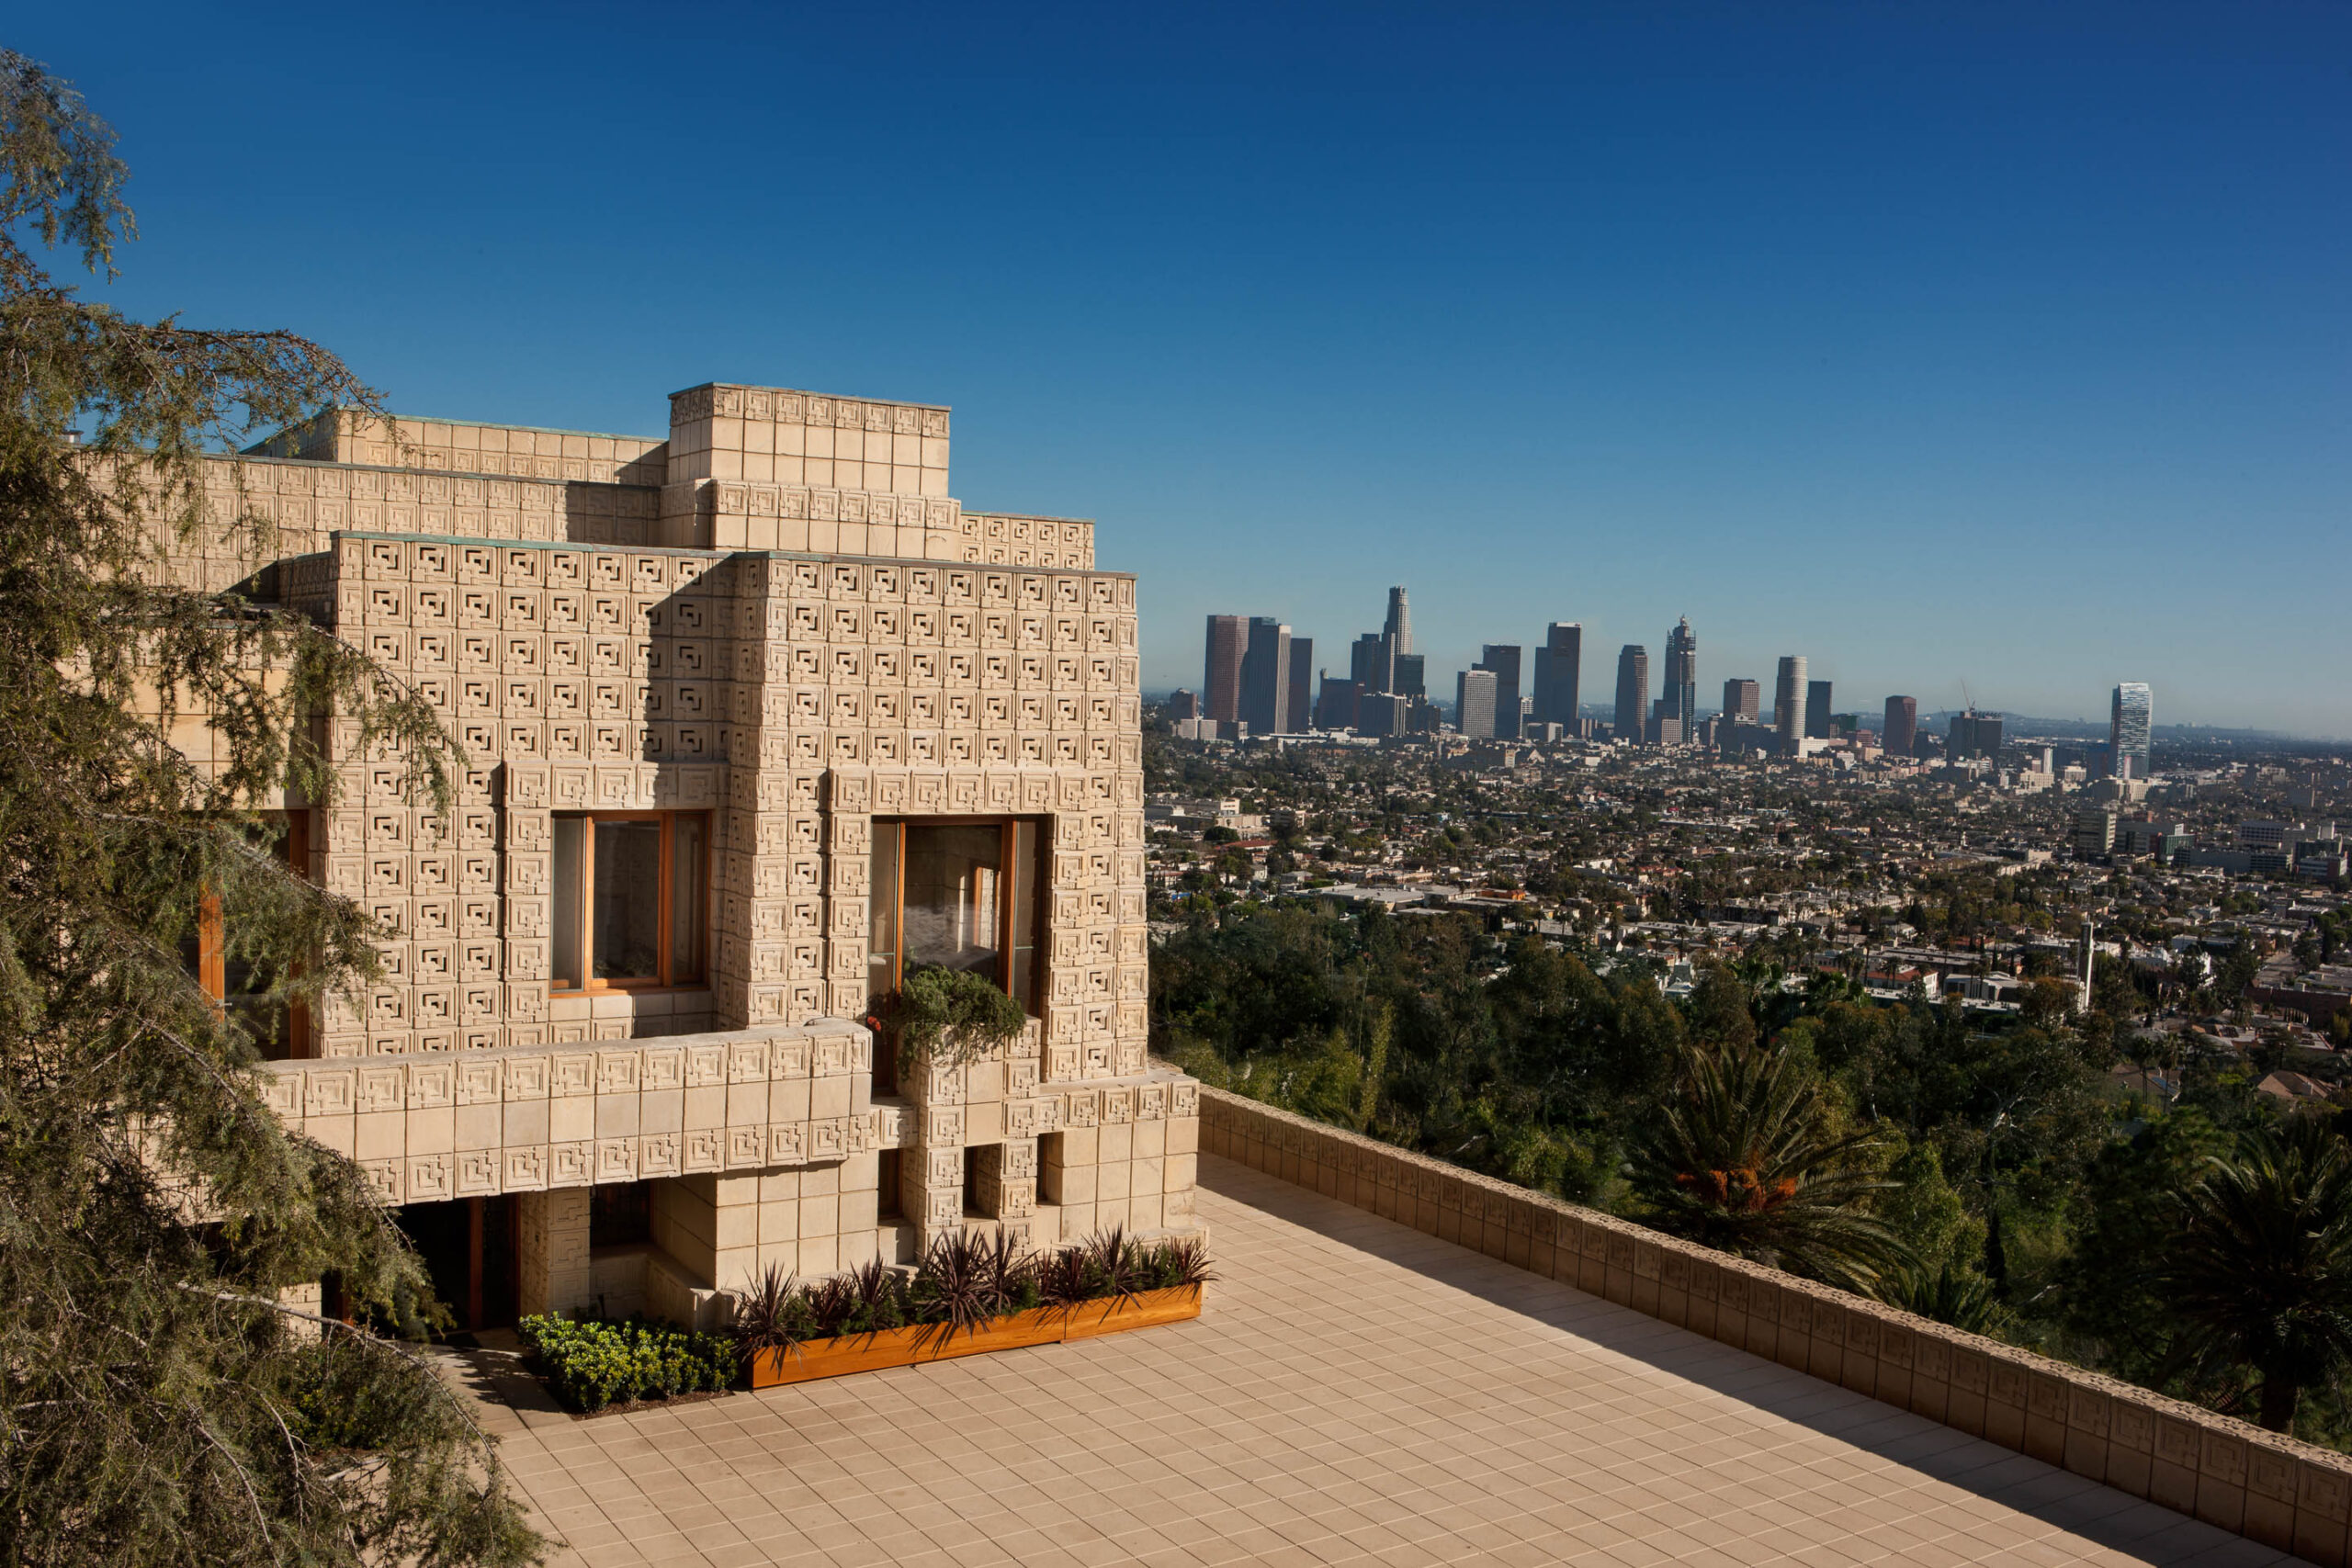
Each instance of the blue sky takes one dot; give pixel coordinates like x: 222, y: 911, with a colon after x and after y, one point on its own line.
x: 1995, y: 344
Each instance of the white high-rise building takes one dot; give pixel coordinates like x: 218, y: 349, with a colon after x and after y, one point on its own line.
x: 1473, y: 704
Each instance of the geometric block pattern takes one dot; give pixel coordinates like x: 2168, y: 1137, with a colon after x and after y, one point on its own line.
x: 778, y: 617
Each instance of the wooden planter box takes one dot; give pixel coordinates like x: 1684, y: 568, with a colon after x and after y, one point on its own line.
x: 934, y: 1342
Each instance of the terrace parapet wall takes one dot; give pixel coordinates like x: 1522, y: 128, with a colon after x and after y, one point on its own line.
x: 2272, y: 1489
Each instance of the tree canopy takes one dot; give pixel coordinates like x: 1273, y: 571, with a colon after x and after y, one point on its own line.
x: 160, y: 1402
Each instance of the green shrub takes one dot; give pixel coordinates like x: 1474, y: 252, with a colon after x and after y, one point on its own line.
x: 591, y: 1363
x: 955, y: 1016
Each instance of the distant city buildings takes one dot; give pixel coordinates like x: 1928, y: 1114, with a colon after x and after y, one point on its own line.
x: 1265, y: 677
x: 1788, y: 703
x: 1398, y: 628
x: 1973, y: 734
x: 1680, y: 698
x: 1298, y: 710
x: 1473, y: 704
x: 1339, y: 703
x: 1556, y: 674
x: 1501, y: 660
x: 1900, y: 736
x: 2131, y: 725
x: 1633, y: 691
x: 1259, y: 678
x: 1221, y: 673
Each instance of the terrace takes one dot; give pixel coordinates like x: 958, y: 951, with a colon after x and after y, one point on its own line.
x: 1358, y: 1392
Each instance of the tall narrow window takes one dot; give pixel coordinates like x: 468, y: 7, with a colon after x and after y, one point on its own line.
x: 959, y: 893
x: 242, y: 983
x: 631, y: 900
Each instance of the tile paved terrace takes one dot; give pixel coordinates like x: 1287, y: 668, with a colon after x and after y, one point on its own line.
x: 1357, y: 1392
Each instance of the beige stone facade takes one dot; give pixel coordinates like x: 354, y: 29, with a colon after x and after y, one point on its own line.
x: 729, y: 698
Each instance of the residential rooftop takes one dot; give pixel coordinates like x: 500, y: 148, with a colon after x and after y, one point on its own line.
x: 1356, y: 1392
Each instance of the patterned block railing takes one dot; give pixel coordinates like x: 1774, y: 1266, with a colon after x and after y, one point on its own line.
x: 427, y: 1126
x: 433, y: 1125
x: 2286, y: 1495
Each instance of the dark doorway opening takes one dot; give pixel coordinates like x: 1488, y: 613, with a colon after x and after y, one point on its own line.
x: 467, y: 1247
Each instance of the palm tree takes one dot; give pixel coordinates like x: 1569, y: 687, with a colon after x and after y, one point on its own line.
x: 1747, y: 1159
x: 2262, y: 1274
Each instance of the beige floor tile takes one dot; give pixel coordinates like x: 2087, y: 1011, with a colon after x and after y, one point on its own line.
x: 1357, y: 1396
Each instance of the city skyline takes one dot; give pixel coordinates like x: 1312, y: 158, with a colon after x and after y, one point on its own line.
x: 1871, y: 283
x: 1492, y: 699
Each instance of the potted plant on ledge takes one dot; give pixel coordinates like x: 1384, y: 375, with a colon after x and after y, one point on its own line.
x: 943, y: 1017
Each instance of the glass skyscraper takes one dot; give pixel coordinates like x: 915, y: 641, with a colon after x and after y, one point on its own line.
x: 2128, y: 731
x: 1682, y: 676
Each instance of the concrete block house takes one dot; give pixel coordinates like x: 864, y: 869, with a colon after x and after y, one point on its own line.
x: 756, y: 716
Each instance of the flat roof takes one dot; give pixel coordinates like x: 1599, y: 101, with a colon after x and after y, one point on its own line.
x: 1356, y: 1392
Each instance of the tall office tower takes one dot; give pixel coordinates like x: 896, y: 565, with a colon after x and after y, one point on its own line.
x: 1299, y: 702
x: 1556, y: 672
x: 1265, y: 677
x: 1900, y: 736
x: 1501, y: 660
x: 1368, y: 662
x: 1400, y: 629
x: 1742, y: 700
x: 1681, y: 694
x: 1473, y: 704
x: 1221, y: 675
x: 1817, y: 710
x: 2129, y: 730
x: 1341, y: 707
x: 1183, y: 704
x: 1410, y: 681
x: 1973, y: 734
x: 1788, y: 702
x: 1633, y: 691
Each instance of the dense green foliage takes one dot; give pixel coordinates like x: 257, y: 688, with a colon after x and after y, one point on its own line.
x: 952, y: 1016
x: 591, y: 1363
x: 1747, y: 1157
x: 159, y: 1403
x: 1980, y: 1170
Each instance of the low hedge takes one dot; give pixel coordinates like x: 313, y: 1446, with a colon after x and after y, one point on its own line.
x: 591, y: 1363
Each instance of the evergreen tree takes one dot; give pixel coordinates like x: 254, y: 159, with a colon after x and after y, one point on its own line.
x: 159, y: 1403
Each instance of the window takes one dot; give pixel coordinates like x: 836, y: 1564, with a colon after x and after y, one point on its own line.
x: 958, y: 893
x: 630, y: 898
x: 278, y: 1027
x: 620, y: 1215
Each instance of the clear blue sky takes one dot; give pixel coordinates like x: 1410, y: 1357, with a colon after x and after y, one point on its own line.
x: 2003, y: 343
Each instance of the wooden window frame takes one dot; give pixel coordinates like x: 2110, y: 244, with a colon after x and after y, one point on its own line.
x: 666, y: 904
x: 212, y: 939
x: 1007, y: 881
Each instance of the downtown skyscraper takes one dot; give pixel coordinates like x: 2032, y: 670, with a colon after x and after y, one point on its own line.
x: 1265, y: 677
x: 1633, y: 691
x: 1900, y: 736
x: 1556, y: 674
x: 1789, y: 695
x: 1221, y: 671
x: 2130, y: 729
x: 1681, y: 697
x: 1501, y: 660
